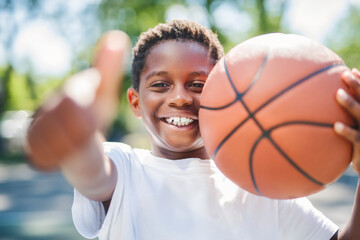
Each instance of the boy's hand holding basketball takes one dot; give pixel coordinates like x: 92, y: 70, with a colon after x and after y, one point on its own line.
x: 67, y: 122
x: 352, y: 105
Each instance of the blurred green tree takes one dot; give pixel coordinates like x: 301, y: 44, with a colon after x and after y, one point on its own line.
x: 233, y: 21
x: 133, y: 17
x: 345, y: 38
x: 15, y: 16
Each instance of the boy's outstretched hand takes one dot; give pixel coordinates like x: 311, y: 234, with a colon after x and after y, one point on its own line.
x: 64, y: 125
x: 351, y: 103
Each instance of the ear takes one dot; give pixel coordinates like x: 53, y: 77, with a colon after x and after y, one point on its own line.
x: 134, y: 100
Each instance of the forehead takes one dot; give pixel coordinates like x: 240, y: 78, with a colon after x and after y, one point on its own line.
x: 175, y: 45
x: 180, y: 54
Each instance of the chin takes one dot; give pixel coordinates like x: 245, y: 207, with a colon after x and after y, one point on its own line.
x: 185, y: 146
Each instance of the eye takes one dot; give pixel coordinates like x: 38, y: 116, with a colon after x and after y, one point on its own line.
x: 197, y: 86
x: 159, y: 86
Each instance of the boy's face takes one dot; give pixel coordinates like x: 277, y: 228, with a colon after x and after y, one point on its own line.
x: 169, y: 97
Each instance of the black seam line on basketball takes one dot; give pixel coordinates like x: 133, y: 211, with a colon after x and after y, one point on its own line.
x: 238, y: 94
x: 253, y: 81
x: 258, y: 74
x: 239, y: 98
x: 251, y: 168
x: 318, y: 124
x: 251, y: 165
x: 294, y: 164
x: 302, y: 80
x: 230, y: 79
x: 251, y: 115
x: 219, y: 108
x: 233, y: 87
x: 229, y: 135
x: 267, y: 135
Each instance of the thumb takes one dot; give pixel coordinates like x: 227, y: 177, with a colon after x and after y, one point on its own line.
x: 112, y: 51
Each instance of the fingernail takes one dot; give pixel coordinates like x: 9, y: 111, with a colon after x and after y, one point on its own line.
x: 82, y: 87
x: 116, y: 40
x: 341, y: 95
x: 339, y: 127
x: 356, y: 72
x: 349, y: 76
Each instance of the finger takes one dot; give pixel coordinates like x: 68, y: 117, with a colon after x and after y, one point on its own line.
x: 356, y: 165
x: 82, y: 87
x: 58, y: 132
x: 66, y: 128
x: 347, y: 132
x: 56, y: 139
x: 349, y: 103
x: 352, y: 82
x: 77, y: 122
x: 38, y: 151
x: 356, y: 73
x: 110, y: 61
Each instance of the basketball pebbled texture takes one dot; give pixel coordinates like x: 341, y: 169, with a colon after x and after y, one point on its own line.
x: 267, y: 114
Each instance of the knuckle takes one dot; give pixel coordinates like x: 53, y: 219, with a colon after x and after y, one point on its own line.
x: 41, y: 161
x: 66, y: 105
x: 350, y: 103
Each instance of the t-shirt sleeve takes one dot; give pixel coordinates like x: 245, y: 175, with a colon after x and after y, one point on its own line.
x: 299, y: 219
x: 88, y: 215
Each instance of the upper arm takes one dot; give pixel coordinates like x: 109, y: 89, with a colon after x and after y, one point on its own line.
x: 298, y: 217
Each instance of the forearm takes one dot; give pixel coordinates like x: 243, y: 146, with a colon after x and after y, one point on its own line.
x: 64, y: 131
x: 352, y: 229
x: 90, y: 171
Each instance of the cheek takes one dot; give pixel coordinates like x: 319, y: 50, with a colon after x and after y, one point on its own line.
x: 197, y: 98
x: 149, y: 107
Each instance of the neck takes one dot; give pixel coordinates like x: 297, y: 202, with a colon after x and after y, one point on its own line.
x: 175, y: 155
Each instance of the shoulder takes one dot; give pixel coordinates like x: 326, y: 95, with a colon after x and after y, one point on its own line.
x: 300, y: 217
x: 121, y: 151
x: 117, y: 146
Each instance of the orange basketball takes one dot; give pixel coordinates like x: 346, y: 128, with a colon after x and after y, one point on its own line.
x: 267, y: 114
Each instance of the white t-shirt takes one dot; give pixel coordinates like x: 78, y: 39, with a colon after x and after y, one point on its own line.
x: 190, y: 199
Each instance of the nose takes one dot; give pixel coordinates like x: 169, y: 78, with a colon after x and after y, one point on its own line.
x: 180, y: 97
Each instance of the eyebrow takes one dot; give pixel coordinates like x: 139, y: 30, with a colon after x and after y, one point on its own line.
x: 155, y: 73
x: 199, y: 73
x: 165, y: 74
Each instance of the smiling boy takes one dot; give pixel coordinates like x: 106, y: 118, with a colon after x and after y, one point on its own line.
x: 173, y: 191
x: 168, y: 97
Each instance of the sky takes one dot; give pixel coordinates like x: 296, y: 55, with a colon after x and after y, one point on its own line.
x: 40, y: 48
x: 316, y: 18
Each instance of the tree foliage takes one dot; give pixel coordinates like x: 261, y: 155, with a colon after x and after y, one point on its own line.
x: 345, y: 40
x: 134, y: 17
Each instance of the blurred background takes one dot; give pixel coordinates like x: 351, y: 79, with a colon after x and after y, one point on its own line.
x: 42, y: 42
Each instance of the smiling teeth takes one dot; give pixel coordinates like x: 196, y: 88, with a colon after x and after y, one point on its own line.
x: 179, y: 121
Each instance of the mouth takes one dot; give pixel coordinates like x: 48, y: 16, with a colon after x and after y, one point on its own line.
x: 178, y: 121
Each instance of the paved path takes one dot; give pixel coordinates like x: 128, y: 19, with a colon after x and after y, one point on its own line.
x: 336, y: 200
x: 37, y: 205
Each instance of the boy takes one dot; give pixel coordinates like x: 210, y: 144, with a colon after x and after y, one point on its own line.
x: 173, y: 191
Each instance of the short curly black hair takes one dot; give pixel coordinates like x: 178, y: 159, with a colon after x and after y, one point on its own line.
x: 172, y: 30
